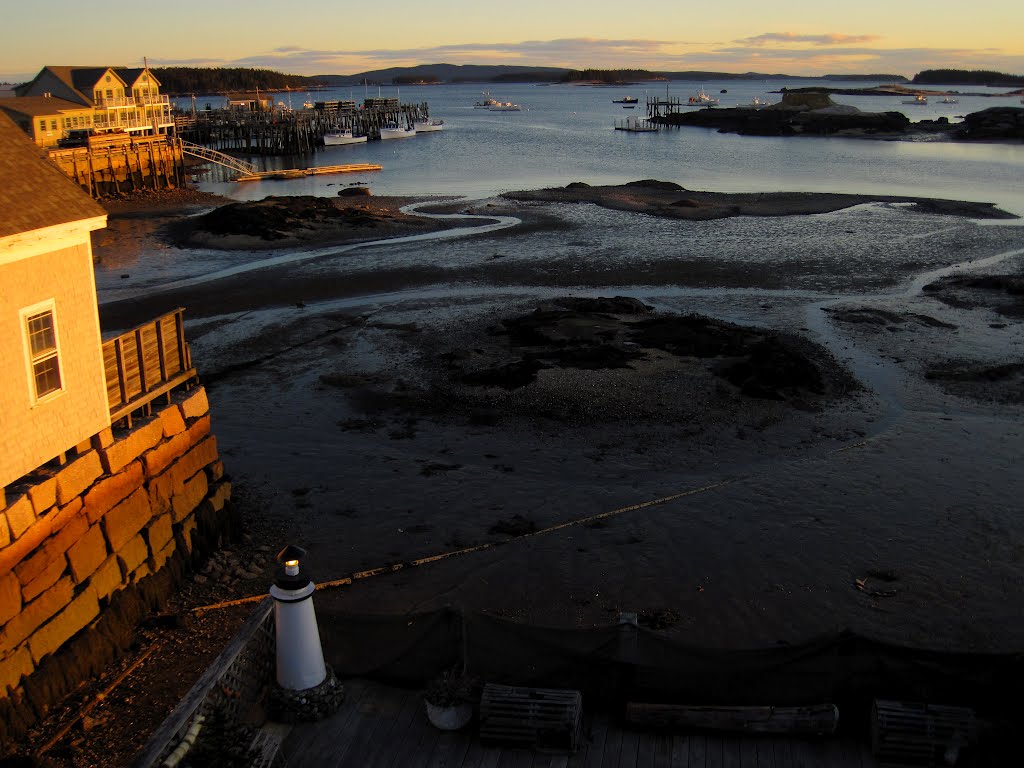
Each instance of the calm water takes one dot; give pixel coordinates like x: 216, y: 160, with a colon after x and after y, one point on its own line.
x: 566, y: 133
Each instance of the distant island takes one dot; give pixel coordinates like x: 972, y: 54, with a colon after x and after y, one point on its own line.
x: 965, y: 77
x: 184, y: 80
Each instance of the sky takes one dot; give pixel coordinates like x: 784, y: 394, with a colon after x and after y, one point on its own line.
x: 314, y: 37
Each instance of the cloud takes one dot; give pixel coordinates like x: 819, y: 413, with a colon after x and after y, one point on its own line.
x: 830, y: 38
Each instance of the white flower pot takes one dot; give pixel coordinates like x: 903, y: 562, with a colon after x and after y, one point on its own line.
x: 449, y: 718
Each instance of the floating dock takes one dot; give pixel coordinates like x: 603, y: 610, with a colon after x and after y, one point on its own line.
x: 295, y: 173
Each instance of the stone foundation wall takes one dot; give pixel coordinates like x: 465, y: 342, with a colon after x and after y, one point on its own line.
x: 89, y: 548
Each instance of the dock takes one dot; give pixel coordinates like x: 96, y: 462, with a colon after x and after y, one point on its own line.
x: 295, y: 173
x: 636, y: 125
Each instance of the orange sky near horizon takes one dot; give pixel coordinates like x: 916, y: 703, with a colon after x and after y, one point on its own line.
x: 333, y: 38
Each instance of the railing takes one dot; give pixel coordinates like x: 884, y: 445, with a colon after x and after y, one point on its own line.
x: 146, y: 363
x: 115, y: 102
x: 237, y: 677
x: 205, y: 153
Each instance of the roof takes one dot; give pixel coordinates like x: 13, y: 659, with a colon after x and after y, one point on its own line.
x: 41, y: 105
x: 33, y: 192
x: 80, y: 79
x: 131, y: 75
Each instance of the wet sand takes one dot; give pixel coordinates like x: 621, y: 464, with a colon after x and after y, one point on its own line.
x: 338, y: 418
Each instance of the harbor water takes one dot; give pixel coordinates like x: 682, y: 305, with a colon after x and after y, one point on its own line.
x: 565, y: 133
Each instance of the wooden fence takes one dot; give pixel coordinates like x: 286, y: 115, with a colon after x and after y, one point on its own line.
x: 144, y: 364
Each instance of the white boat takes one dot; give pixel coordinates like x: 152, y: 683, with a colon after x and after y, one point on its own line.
x: 507, y: 106
x: 427, y: 126
x: 702, y: 100
x: 337, y: 138
x: 950, y: 100
x: 758, y: 103
x: 920, y: 100
x: 395, y: 131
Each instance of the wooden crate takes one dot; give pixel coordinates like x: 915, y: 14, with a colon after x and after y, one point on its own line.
x: 911, y: 734
x: 545, y: 719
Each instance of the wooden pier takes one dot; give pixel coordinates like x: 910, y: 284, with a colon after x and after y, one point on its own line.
x: 285, y: 131
x: 115, y: 164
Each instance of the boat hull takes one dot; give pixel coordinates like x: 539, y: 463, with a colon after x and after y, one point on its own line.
x: 339, y: 139
x: 429, y: 127
x: 397, y: 133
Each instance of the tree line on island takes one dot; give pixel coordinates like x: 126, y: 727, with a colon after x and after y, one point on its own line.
x: 186, y: 80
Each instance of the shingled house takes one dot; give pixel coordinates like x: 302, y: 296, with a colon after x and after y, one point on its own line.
x: 109, y: 471
x: 52, y: 391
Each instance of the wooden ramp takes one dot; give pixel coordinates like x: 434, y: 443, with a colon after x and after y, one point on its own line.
x: 295, y: 173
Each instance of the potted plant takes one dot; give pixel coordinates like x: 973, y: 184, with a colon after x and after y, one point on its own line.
x: 449, y: 699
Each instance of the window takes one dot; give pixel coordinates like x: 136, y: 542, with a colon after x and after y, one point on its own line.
x: 40, y: 326
x: 53, y: 125
x: 42, y: 126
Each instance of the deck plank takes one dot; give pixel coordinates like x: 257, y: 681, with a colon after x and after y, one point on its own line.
x: 662, y: 750
x: 595, y: 741
x: 783, y: 753
x: 765, y: 750
x: 450, y: 749
x: 731, y: 752
x: 395, y: 736
x: 645, y: 752
x: 319, y: 741
x: 714, y: 753
x: 612, y: 745
x: 748, y: 752
x: 680, y: 757
x: 698, y: 750
x: 372, y: 713
x: 420, y: 740
x: 630, y: 749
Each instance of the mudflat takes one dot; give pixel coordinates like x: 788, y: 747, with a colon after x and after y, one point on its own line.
x: 763, y: 426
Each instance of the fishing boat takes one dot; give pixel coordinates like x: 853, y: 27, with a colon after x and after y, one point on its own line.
x: 702, y: 100
x: 758, y: 103
x: 950, y: 100
x: 337, y: 138
x: 920, y: 100
x: 626, y: 100
x: 428, y: 126
x: 395, y: 131
x: 507, y: 106
x: 486, y: 103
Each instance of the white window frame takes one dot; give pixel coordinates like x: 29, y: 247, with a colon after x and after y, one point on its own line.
x: 30, y: 361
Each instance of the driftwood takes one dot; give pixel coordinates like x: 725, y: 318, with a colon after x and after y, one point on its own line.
x: 816, y: 720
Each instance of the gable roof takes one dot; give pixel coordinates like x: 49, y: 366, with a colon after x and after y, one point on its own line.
x: 81, y: 80
x: 33, y: 192
x: 131, y: 75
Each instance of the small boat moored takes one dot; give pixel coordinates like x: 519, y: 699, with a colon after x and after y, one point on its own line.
x: 428, y: 126
x: 626, y: 100
x: 338, y: 138
x: 920, y: 100
x: 507, y: 106
x: 395, y: 131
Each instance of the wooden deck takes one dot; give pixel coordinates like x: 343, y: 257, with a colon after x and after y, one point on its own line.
x: 387, y: 727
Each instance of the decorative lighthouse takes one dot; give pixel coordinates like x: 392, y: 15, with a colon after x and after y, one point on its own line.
x: 306, y: 686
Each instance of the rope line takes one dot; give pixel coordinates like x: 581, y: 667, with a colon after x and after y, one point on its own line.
x: 395, y: 567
